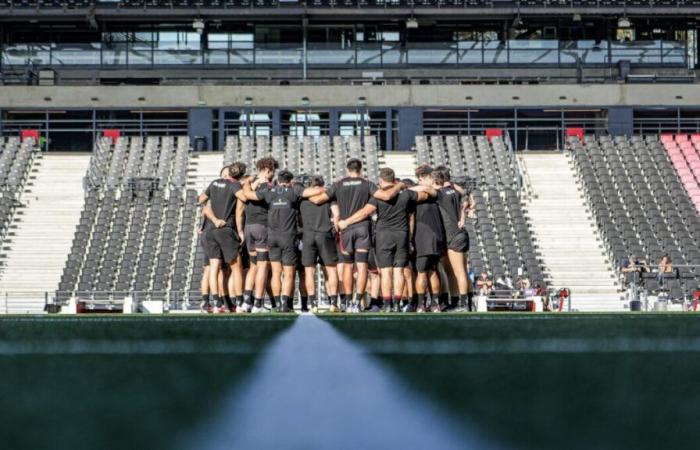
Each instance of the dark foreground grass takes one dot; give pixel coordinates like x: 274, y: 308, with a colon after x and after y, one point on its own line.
x: 536, y: 400
x: 82, y: 400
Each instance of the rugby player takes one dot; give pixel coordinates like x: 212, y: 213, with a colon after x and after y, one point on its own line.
x: 254, y: 226
x: 351, y: 194
x: 452, y: 211
x: 318, y: 246
x: 392, y: 236
x: 283, y: 208
x: 222, y: 241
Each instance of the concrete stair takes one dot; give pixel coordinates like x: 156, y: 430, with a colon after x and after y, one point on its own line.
x: 42, y: 231
x: 403, y: 163
x: 203, y: 168
x: 566, y: 234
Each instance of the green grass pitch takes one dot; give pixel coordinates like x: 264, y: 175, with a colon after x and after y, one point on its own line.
x: 569, y: 381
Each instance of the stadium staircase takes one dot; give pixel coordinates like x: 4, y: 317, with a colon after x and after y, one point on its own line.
x: 403, y: 163
x: 42, y: 230
x: 571, y: 248
x: 502, y: 244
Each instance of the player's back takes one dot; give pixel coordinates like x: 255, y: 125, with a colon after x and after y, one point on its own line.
x: 351, y: 194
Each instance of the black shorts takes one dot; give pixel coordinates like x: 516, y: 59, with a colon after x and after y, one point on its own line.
x: 355, y: 238
x: 255, y: 237
x: 318, y: 248
x: 222, y: 243
x: 391, y: 249
x: 459, y: 242
x: 427, y: 263
x: 283, y: 248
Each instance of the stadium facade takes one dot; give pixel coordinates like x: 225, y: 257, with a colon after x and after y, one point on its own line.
x: 352, y: 78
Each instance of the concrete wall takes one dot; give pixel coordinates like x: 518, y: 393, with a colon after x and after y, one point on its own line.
x: 598, y: 95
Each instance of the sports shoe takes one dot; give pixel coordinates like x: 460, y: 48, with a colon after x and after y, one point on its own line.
x: 222, y: 309
x: 285, y: 309
x: 435, y: 307
x: 408, y: 308
x: 205, y: 307
x: 420, y: 309
x: 386, y: 307
x: 245, y: 308
x: 395, y: 307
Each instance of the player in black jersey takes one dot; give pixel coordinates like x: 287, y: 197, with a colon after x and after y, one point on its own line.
x: 429, y: 243
x: 452, y: 210
x: 392, y: 235
x: 351, y: 194
x: 254, y: 226
x: 283, y: 208
x: 222, y: 241
x: 318, y: 246
x: 204, y: 226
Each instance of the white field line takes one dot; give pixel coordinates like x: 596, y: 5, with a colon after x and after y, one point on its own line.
x: 315, y: 389
x: 535, y: 345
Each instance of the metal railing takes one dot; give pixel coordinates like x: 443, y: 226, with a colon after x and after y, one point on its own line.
x: 512, y: 52
x: 384, y: 4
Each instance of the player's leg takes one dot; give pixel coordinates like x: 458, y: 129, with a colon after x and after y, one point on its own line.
x: 276, y: 280
x: 224, y: 276
x: 420, y: 285
x: 262, y: 271
x: 399, y: 285
x: 214, y: 266
x: 374, y: 290
x: 249, y: 283
x: 362, y: 242
x: 459, y: 272
x: 408, y: 300
x: 385, y: 281
x: 204, y: 288
x: 287, y: 299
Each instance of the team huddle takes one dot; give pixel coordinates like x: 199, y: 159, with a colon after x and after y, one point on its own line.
x: 395, y: 246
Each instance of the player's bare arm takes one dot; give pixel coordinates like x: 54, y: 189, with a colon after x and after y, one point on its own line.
x: 359, y: 216
x: 320, y: 198
x: 389, y: 193
x: 310, y: 192
x: 209, y: 213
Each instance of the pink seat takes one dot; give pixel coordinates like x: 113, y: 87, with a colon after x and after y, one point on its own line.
x: 681, y: 138
x: 695, y: 137
x: 666, y: 137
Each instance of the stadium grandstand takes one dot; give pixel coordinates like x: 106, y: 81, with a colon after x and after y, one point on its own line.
x: 349, y: 224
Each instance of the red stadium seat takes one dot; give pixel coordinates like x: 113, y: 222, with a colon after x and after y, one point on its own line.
x: 493, y: 132
x: 574, y: 131
x: 112, y: 133
x: 34, y: 134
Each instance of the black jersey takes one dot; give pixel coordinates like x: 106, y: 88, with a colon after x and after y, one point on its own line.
x: 429, y: 236
x: 315, y: 218
x: 450, y: 203
x: 393, y: 215
x: 222, y: 198
x: 256, y: 210
x: 283, y: 204
x: 351, y: 194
